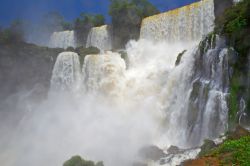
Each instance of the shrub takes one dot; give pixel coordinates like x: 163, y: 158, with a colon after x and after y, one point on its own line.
x: 78, y: 161
x: 237, y: 152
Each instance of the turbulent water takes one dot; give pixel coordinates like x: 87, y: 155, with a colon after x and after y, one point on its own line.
x: 66, y: 74
x: 63, y: 39
x: 100, y: 37
x: 188, y: 23
x: 108, y: 108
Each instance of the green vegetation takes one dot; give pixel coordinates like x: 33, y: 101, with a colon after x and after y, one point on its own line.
x: 78, y: 161
x: 126, y: 19
x: 233, y: 100
x: 124, y: 56
x: 12, y: 34
x: 235, y: 25
x: 206, y: 147
x: 234, y: 152
x: 84, y: 23
x: 82, y: 52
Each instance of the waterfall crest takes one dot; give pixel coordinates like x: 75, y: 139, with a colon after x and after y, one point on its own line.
x: 63, y: 39
x: 149, y: 100
x: 188, y: 23
x: 100, y: 37
x: 104, y: 73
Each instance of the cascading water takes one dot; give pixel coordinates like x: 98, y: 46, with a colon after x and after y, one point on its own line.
x: 104, y: 73
x: 116, y: 110
x: 207, y: 109
x: 66, y: 73
x: 100, y: 37
x: 188, y: 23
x: 120, y: 110
x: 63, y: 39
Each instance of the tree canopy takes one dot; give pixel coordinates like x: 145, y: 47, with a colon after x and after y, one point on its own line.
x: 126, y: 18
x: 84, y: 23
x: 78, y: 161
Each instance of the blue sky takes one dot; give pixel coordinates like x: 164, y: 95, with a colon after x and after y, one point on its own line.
x: 70, y: 9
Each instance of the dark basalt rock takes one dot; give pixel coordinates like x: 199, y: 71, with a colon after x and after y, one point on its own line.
x: 206, y: 147
x: 173, y: 150
x: 23, y: 66
x: 238, y: 132
x: 152, y: 153
x: 178, y: 60
x: 139, y: 164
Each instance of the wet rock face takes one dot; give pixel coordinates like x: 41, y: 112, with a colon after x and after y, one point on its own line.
x: 178, y: 60
x: 152, y: 152
x: 24, y: 67
x: 207, y: 110
x: 207, y: 146
x: 239, y: 132
x: 221, y: 5
x: 173, y: 150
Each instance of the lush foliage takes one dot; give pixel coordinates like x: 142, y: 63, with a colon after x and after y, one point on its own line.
x: 126, y: 19
x: 234, y: 152
x: 78, y: 161
x: 235, y: 24
x: 88, y: 21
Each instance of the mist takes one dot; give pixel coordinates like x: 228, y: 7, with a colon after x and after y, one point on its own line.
x: 108, y: 120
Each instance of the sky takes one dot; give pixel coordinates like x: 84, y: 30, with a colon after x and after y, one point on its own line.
x: 34, y: 9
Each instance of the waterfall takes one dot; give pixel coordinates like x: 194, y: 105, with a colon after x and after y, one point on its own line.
x: 188, y: 23
x: 201, y: 111
x: 100, y: 37
x: 236, y: 1
x: 104, y: 73
x: 63, y: 39
x: 66, y: 74
x: 187, y: 102
x: 108, y: 110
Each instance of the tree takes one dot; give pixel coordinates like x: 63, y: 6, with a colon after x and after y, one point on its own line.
x: 84, y: 23
x: 126, y: 19
x: 13, y: 34
x: 78, y: 161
